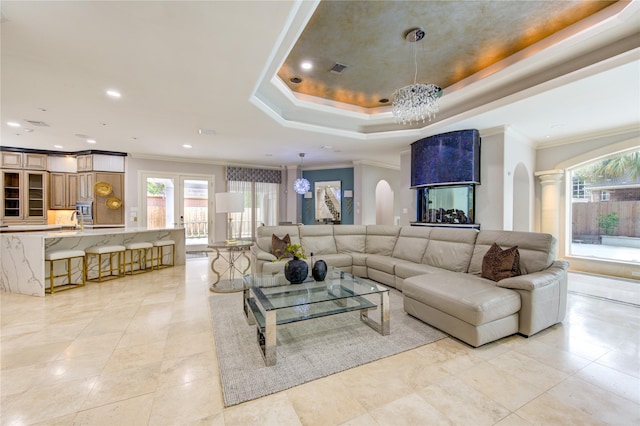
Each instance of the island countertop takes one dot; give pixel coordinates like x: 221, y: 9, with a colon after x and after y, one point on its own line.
x: 46, y: 228
x: 22, y: 260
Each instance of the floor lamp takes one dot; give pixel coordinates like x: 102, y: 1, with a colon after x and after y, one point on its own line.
x: 230, y: 202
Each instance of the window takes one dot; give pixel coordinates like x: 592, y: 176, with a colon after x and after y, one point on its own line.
x: 579, y: 192
x: 605, y: 209
x: 261, y: 190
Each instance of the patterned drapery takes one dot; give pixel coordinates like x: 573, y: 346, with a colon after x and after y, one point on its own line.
x: 243, y: 174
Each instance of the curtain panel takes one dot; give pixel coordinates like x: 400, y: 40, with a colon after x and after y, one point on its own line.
x: 253, y: 175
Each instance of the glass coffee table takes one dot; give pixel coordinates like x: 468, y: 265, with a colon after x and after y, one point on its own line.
x: 270, y: 300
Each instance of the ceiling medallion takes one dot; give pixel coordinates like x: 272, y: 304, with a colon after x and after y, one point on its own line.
x: 301, y: 185
x: 415, y: 102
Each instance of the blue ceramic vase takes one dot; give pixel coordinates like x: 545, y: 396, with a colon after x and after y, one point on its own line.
x: 296, y: 270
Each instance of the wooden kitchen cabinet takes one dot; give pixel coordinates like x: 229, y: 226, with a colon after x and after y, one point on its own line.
x: 85, y: 186
x: 102, y: 214
x: 85, y: 163
x: 63, y: 192
x: 23, y: 160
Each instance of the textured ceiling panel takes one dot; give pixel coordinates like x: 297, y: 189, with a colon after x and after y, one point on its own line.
x: 462, y: 38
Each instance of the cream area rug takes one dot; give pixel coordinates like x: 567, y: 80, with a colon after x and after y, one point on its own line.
x: 306, y: 350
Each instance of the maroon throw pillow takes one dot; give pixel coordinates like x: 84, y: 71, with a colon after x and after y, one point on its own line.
x: 278, y: 245
x: 499, y: 264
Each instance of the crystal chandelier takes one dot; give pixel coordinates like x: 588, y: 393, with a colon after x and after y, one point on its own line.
x: 415, y: 102
x: 301, y: 185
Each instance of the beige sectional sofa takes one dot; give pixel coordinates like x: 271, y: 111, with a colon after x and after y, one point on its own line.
x: 438, y: 271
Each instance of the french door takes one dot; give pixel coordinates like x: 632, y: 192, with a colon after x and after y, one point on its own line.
x: 179, y: 200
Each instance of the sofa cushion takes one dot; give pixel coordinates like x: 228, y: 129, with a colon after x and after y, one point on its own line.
x: 537, y: 251
x: 359, y: 259
x: 350, y: 238
x: 410, y: 269
x: 412, y: 243
x: 499, y: 264
x: 279, y: 245
x: 381, y: 239
x: 338, y: 260
x: 472, y: 299
x: 450, y: 249
x: 317, y: 239
x: 383, y: 263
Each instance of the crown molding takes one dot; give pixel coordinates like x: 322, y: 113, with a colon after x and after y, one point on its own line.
x: 375, y: 164
x: 590, y: 136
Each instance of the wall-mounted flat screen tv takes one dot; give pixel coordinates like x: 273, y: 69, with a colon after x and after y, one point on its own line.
x: 446, y: 159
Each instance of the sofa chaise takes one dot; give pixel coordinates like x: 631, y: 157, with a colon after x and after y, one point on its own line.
x: 440, y: 273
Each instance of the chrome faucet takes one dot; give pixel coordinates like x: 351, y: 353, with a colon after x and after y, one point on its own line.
x: 79, y: 218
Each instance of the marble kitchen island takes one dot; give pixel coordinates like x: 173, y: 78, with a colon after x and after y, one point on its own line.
x: 22, y: 253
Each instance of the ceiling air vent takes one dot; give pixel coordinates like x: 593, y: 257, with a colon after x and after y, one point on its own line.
x: 37, y: 123
x: 337, y: 68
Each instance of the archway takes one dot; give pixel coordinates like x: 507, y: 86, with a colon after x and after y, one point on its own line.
x: 384, y: 203
x: 521, y: 199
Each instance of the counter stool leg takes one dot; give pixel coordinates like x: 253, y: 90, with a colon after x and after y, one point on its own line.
x: 51, y: 276
x: 122, y: 267
x: 69, y: 270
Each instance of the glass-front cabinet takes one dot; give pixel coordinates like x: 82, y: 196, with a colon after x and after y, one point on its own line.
x: 11, y: 195
x: 24, y: 197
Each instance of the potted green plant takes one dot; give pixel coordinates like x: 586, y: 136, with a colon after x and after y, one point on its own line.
x: 295, y: 250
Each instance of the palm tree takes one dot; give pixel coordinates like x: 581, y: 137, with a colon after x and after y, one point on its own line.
x: 627, y: 165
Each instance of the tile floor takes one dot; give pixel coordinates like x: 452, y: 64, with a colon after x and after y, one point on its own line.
x: 140, y: 351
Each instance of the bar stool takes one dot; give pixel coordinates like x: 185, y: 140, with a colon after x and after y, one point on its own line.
x: 68, y: 255
x: 159, y: 246
x: 141, y: 249
x: 110, y: 251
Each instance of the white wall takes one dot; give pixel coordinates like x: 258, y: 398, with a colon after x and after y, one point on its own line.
x: 405, y: 197
x: 384, y: 203
x: 519, y: 153
x: 490, y: 192
x: 366, y: 176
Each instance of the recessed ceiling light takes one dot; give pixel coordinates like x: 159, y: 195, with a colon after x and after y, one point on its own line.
x: 326, y: 147
x: 306, y: 65
x: 114, y: 93
x: 206, y: 132
x: 13, y: 124
x: 295, y: 80
x: 384, y: 101
x: 58, y: 146
x: 91, y: 141
x: 186, y: 145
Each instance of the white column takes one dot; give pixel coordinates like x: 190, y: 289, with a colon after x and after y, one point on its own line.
x: 550, y: 181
